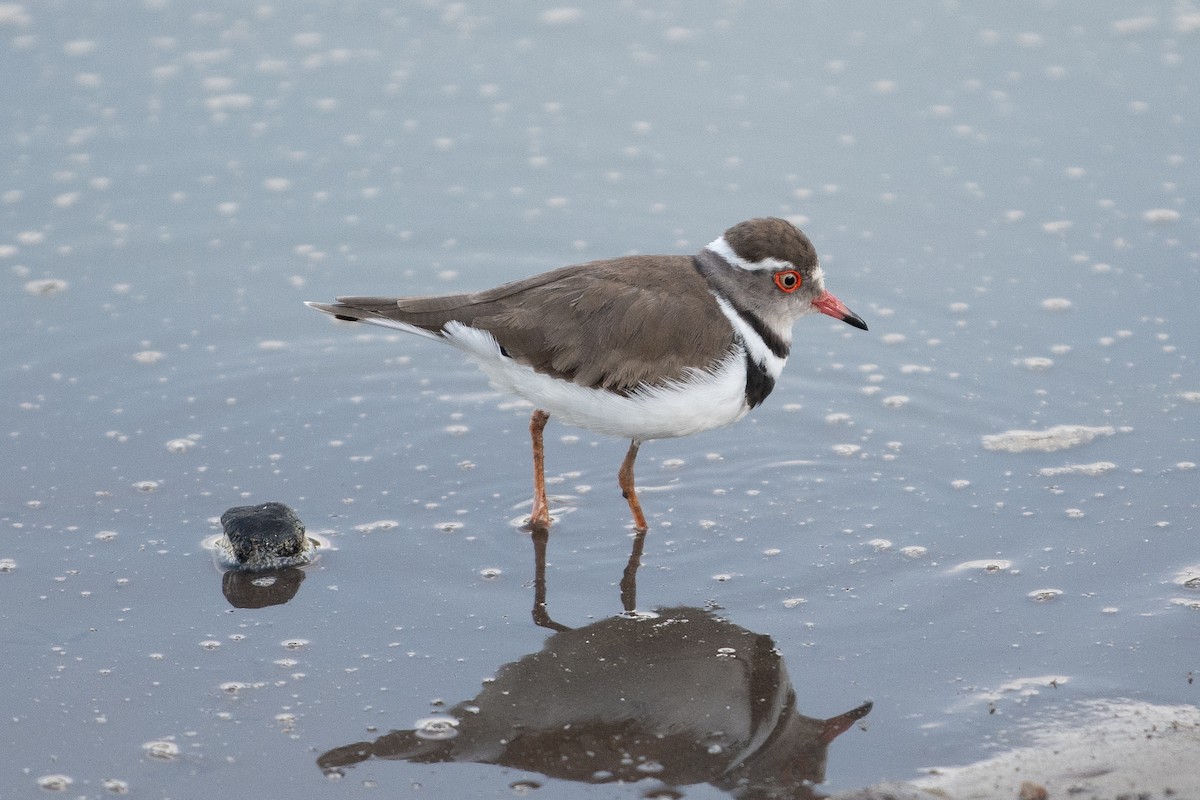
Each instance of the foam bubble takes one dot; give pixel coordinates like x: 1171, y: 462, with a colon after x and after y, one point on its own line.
x: 1056, y: 304
x: 46, y: 286
x: 1037, y: 363
x: 988, y: 565
x: 55, y: 783
x: 1160, y: 216
x: 436, y: 728
x: 161, y: 749
x: 378, y: 525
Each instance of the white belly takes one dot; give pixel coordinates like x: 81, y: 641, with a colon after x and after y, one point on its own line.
x: 698, y: 402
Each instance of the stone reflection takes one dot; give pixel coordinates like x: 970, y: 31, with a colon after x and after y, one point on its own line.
x: 680, y: 696
x: 272, y: 587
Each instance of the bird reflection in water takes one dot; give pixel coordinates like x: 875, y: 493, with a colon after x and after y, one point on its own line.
x: 678, y: 696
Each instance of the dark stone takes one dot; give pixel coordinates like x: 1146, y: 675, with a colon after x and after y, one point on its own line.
x: 259, y: 533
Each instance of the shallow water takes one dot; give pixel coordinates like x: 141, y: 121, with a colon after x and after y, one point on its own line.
x: 1003, y: 194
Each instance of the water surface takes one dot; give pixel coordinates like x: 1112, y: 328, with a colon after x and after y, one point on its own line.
x: 1005, y: 194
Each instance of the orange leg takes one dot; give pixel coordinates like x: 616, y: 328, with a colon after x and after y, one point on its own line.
x: 625, y: 479
x: 540, y: 515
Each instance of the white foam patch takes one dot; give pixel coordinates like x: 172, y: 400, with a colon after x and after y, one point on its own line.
x: 1160, y: 216
x: 14, y: 15
x: 565, y: 15
x: 1037, y: 363
x: 1056, y: 304
x: 1092, y: 470
x: 1059, y: 437
x: 988, y: 565
x: 46, y: 286
x: 1189, y: 577
x: 1133, y: 25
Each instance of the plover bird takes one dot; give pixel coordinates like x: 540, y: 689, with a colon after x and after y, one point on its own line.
x: 641, y: 347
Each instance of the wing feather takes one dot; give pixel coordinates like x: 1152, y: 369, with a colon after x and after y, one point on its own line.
x: 616, y: 324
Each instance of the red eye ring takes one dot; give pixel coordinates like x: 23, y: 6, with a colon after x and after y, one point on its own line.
x: 788, y: 280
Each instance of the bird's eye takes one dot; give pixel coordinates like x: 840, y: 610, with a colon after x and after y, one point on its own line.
x: 788, y: 280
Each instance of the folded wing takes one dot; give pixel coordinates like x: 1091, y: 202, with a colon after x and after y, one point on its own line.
x: 615, y: 324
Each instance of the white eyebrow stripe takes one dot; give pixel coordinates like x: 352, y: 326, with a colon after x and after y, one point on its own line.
x: 722, y: 249
x: 754, y: 344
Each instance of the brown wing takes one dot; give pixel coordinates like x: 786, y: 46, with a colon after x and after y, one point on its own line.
x: 607, y: 324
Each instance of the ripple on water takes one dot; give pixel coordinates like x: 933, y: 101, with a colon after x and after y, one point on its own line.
x: 222, y: 550
x: 436, y: 728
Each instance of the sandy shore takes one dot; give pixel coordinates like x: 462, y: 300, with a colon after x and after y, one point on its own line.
x: 1096, y: 750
